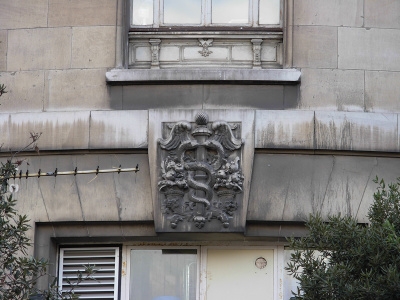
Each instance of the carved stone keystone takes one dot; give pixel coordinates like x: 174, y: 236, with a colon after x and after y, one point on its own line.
x: 201, y: 162
x: 199, y: 177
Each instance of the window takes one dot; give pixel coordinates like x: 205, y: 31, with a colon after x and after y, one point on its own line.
x: 178, y: 272
x: 191, y: 273
x: 105, y: 279
x: 175, y: 34
x: 163, y: 274
x: 206, y: 13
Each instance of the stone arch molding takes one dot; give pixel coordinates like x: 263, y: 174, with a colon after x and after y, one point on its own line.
x: 200, y: 164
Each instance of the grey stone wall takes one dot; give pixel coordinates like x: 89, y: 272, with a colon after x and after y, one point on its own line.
x: 54, y: 56
x: 284, y: 187
x: 348, y: 53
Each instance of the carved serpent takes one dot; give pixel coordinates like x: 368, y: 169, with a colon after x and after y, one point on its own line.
x: 186, y: 145
x: 195, y: 185
x: 212, y: 144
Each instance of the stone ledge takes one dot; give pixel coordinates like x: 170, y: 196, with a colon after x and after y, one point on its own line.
x: 249, y: 76
x: 356, y: 131
x: 274, y: 129
x: 75, y: 130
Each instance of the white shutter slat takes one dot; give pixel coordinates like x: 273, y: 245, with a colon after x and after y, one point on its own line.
x: 105, y: 261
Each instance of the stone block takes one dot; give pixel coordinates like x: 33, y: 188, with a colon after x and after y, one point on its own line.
x: 59, y: 195
x: 142, y: 54
x: 24, y: 91
x: 284, y: 129
x: 82, y: 12
x: 382, y: 13
x: 329, y: 12
x: 118, y: 129
x: 76, y: 90
x: 243, y: 96
x: 248, y: 76
x: 356, y: 131
x: 140, y: 230
x: 332, y: 89
x: 382, y: 91
x: 42, y: 48
x: 242, y: 52
x: 3, y: 50
x: 60, y: 130
x: 268, y: 53
x: 115, y: 93
x: 369, y: 49
x: 294, y: 186
x: 286, y: 189
x: 30, y: 202
x: 99, y: 231
x: 133, y: 190
x: 140, y: 97
x: 4, y: 131
x: 315, y: 46
x: 93, y: 47
x: 23, y: 14
x: 96, y: 193
x: 291, y: 96
x: 106, y: 197
x: 169, y: 54
x: 218, y: 53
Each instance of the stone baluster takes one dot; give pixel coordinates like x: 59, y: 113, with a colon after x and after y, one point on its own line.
x: 256, y: 53
x: 155, y: 53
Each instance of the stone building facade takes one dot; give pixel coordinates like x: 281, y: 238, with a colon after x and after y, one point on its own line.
x: 239, y: 131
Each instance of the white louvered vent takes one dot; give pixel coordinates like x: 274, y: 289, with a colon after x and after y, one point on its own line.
x: 104, y: 284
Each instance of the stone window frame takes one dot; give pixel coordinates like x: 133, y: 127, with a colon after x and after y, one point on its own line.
x: 51, y: 236
x: 121, y: 74
x: 206, y: 20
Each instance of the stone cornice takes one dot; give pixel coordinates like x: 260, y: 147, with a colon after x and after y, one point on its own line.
x: 250, y: 76
x: 274, y: 129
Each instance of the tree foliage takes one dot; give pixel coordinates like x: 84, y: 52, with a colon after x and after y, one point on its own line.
x: 341, y: 259
x: 19, y: 272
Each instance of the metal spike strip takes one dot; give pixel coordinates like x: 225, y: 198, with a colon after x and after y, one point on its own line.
x: 75, y: 172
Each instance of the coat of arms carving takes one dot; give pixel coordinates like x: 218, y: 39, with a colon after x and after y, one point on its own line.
x: 200, y: 176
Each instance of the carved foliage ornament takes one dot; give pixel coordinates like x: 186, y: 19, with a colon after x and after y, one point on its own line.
x: 205, y: 43
x: 200, y: 173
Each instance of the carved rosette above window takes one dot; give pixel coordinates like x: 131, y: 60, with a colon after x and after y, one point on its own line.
x: 219, y: 50
x: 200, y: 174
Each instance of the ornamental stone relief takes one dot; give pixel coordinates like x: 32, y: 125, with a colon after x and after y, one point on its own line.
x: 200, y: 176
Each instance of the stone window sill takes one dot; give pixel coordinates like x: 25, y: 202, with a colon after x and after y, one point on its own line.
x: 244, y: 76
